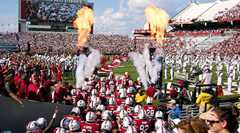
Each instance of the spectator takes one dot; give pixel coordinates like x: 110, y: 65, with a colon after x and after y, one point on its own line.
x: 204, y: 101
x: 192, y: 126
x: 10, y: 86
x: 221, y: 119
x: 175, y: 111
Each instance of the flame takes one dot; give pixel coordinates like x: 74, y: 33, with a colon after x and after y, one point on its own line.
x: 158, y: 21
x: 83, y: 23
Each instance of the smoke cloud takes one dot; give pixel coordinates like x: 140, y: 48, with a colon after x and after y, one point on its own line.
x: 147, y: 69
x: 86, y: 66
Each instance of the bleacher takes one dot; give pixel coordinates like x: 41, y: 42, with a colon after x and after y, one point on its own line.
x: 192, y: 12
x: 197, y: 12
x: 219, y: 8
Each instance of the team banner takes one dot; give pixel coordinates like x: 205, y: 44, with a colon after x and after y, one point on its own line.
x: 14, y: 117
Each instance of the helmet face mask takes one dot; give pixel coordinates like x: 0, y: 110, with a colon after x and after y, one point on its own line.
x: 74, y: 125
x: 112, y: 101
x: 107, y: 126
x: 75, y: 110
x: 126, y: 121
x: 81, y: 104
x: 32, y: 126
x: 137, y: 108
x: 64, y: 123
x: 41, y: 122
x: 141, y: 114
x: 149, y: 100
x: 123, y: 114
x: 129, y: 101
x: 91, y: 117
x: 159, y: 115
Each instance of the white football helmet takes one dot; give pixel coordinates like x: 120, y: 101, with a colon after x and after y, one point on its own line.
x: 103, y: 90
x: 119, y: 108
x: 111, y: 101
x: 91, y: 117
x: 149, y: 100
x: 129, y: 101
x: 75, y: 110
x: 73, y: 92
x: 74, y: 125
x: 64, y: 123
x: 131, y: 90
x: 131, y: 129
x: 81, y: 104
x: 97, y: 100
x: 94, y: 92
x: 160, y: 126
x: 141, y: 114
x: 130, y: 82
x: 107, y: 126
x: 159, y: 115
x: 100, y: 107
x: 137, y: 108
x: 31, y: 126
x: 93, y: 105
x: 106, y: 115
x: 108, y: 92
x: 126, y: 121
x: 60, y: 130
x: 122, y: 114
x: 41, y: 122
x: 123, y: 93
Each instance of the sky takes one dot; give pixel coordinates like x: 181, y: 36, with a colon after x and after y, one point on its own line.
x: 111, y: 16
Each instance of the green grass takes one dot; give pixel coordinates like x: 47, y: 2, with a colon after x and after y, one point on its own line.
x: 130, y: 68
x: 126, y: 67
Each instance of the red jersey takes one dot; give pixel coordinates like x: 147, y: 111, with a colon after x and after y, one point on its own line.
x: 120, y: 101
x: 129, y: 109
x: 90, y: 127
x: 22, y: 89
x: 150, y: 91
x: 123, y: 130
x: 111, y: 107
x: 150, y: 110
x: 32, y: 88
x: 142, y: 125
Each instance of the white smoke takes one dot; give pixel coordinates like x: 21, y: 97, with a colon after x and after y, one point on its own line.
x: 86, y: 66
x: 139, y: 63
x: 148, y: 70
x: 146, y: 57
x: 82, y: 58
x: 93, y: 60
x: 156, y: 68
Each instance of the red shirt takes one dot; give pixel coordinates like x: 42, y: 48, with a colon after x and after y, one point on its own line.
x: 129, y: 109
x: 150, y: 110
x: 150, y: 91
x: 142, y: 125
x: 58, y: 93
x: 90, y: 127
x: 32, y: 89
x: 120, y: 101
x: 111, y: 107
x: 17, y: 79
x: 22, y: 89
x: 59, y: 75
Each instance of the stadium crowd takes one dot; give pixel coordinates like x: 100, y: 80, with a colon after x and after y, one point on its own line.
x: 54, y: 12
x: 65, y: 42
x: 230, y: 15
x: 115, y: 103
x: 108, y: 104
